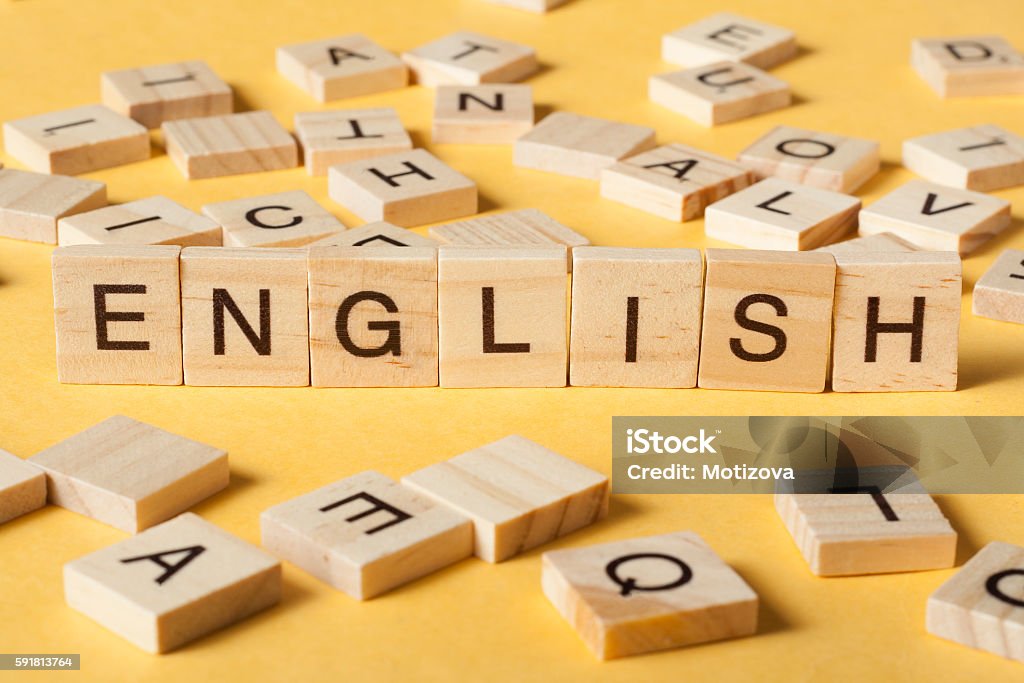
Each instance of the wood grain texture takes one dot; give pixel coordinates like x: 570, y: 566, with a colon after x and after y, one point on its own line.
x: 727, y: 36
x: 22, y: 487
x: 580, y: 146
x: 215, y: 146
x: 344, y: 135
x: 468, y: 58
x: 283, y: 219
x: 966, y: 66
x: 340, y: 67
x: 153, y: 220
x: 982, y: 158
x: 488, y: 114
x: 32, y: 203
x: 999, y: 294
x: 719, y: 92
x: 882, y: 241
x: 164, y: 92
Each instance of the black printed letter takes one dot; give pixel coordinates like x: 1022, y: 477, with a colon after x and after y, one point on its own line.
x: 191, y: 553
x: 875, y: 328
x: 490, y: 346
x: 103, y: 316
x: 393, y: 343
x: 740, y: 314
x: 222, y: 300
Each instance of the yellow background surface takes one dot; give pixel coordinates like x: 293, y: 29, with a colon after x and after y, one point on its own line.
x: 476, y: 621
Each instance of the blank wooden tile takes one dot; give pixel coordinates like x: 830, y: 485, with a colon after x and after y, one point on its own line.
x: 825, y: 160
x: 636, y: 317
x: 77, y: 140
x: 467, y: 58
x: 937, y: 217
x: 22, y: 487
x: 897, y: 321
x: 538, y: 6
x: 727, y: 36
x: 117, y: 314
x: 999, y: 294
x: 407, y: 189
x: 32, y: 203
x: 366, y: 534
x: 882, y: 241
x: 981, y: 158
x: 284, y: 219
x: 154, y: 94
x: 968, y: 65
x: 340, y: 67
x: 129, y: 474
x: 244, y: 317
x: 228, y: 145
x: 373, y: 316
x: 173, y: 583
x: 579, y: 146
x: 153, y: 220
x: 719, y: 92
x: 982, y: 605
x: 502, y: 316
x: 646, y: 594
x: 518, y: 493
x: 379, y: 234
x: 344, y: 135
x: 493, y: 114
x: 767, y: 319
x: 782, y: 214
x: 673, y: 181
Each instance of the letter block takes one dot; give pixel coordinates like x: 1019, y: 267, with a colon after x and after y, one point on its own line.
x: 719, y: 93
x: 647, y: 594
x: 373, y: 316
x: 32, y: 203
x: 981, y: 158
x: 466, y: 58
x: 215, y: 146
x: 340, y: 67
x: 22, y: 487
x: 767, y: 319
x: 968, y: 65
x: 579, y: 146
x: 999, y: 294
x: 730, y: 37
x: 154, y: 94
x: 153, y: 220
x: 129, y: 474
x: 494, y: 114
x: 341, y: 136
x: 285, y: 219
x: 882, y: 241
x: 519, y: 494
x: 173, y: 584
x: 366, y: 534
x: 379, y: 234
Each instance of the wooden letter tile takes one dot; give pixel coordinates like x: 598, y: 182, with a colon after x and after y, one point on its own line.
x: 466, y: 58
x: 346, y: 66
x: 228, y: 145
x: 981, y: 158
x: 731, y: 37
x: 285, y: 219
x: 379, y: 234
x: 22, y: 487
x: 154, y: 220
x: 969, y: 65
x: 537, y: 6
x: 482, y: 114
x: 154, y: 94
x: 580, y: 146
x: 719, y: 93
x: 999, y: 293
x: 341, y: 136
x: 32, y: 203
x: 882, y: 241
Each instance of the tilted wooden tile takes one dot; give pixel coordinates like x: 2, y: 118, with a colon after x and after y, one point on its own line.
x: 518, y: 493
x: 407, y: 189
x: 164, y: 92
x: 154, y: 220
x: 782, y: 214
x: 117, y: 314
x: 727, y: 36
x: 379, y: 234
x: 968, y: 65
x: 538, y: 6
x: 636, y: 316
x: 982, y: 605
x: 467, y: 58
x: 882, y: 241
x: 482, y: 114
x: 215, y: 146
x: 340, y: 67
x: 129, y: 474
x: 366, y: 534
x: 244, y: 317
x: 999, y: 294
x: 373, y: 316
x: 981, y: 158
x: 673, y: 181
x: 646, y: 594
x: 937, y: 217
x: 579, y: 146
x: 284, y: 219
x: 825, y: 160
x: 32, y: 203
x: 344, y: 135
x: 767, y: 320
x: 77, y: 140
x: 502, y: 316
x: 22, y: 487
x: 897, y: 321
x: 719, y: 92
x: 173, y: 584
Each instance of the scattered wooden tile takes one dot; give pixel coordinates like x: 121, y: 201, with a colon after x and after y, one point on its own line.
x: 981, y: 158
x: 490, y: 114
x: 719, y: 92
x: 340, y: 67
x: 537, y: 6
x: 579, y: 146
x: 968, y: 65
x: 467, y: 58
x: 379, y: 234
x: 344, y: 135
x: 154, y: 220
x: 22, y: 487
x: 726, y: 36
x: 154, y: 94
x: 32, y: 203
x: 999, y: 294
x: 882, y: 241
x: 284, y: 219
x: 228, y: 145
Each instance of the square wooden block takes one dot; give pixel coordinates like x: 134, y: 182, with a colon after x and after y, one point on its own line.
x: 467, y: 58
x: 968, y: 65
x: 502, y: 316
x: 579, y: 146
x: 407, y: 189
x: 285, y: 219
x: 999, y: 294
x: 32, y: 203
x: 673, y: 181
x: 719, y: 92
x: 22, y: 487
x: 636, y: 316
x: 340, y: 67
x: 519, y: 494
x: 897, y: 321
x: 882, y: 241
x: 344, y: 135
x: 937, y: 217
x: 731, y: 37
x: 173, y: 583
x: 379, y: 234
x: 782, y: 214
x: 825, y: 160
x: 537, y: 6
x: 647, y: 594
x: 981, y: 158
x: 117, y: 314
x: 373, y: 316
x: 154, y: 220
x: 767, y: 320
x: 244, y: 317
x: 78, y: 140
x: 129, y: 474
x: 216, y: 146
x: 366, y: 534
x: 154, y: 94
x: 493, y: 114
